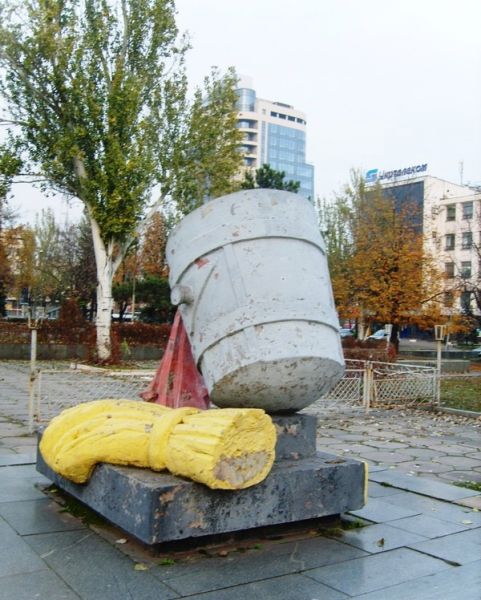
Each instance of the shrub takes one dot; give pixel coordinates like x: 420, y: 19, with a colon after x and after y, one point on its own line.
x: 368, y: 350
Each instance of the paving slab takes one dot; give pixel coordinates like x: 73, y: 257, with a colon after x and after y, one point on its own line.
x: 474, y: 502
x: 461, y: 476
x: 424, y: 486
x: 320, y: 551
x: 421, y: 454
x: 449, y: 449
x: 457, y: 583
x: 450, y: 548
x: 29, y: 586
x: 380, y: 538
x: 15, y: 555
x: 387, y: 457
x: 94, y: 569
x: 239, y: 569
x: 437, y: 508
x: 474, y: 455
x: 422, y: 468
x: 377, y: 571
x: 18, y: 483
x: 376, y: 490
x: 280, y: 588
x: 470, y: 536
x: 427, y: 526
x: 14, y: 458
x: 38, y: 516
x: 222, y: 573
x: 380, y: 511
x: 461, y: 463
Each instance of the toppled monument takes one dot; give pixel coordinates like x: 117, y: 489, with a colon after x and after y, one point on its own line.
x: 249, y: 274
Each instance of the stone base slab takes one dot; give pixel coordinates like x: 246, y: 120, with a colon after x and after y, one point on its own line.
x: 158, y: 507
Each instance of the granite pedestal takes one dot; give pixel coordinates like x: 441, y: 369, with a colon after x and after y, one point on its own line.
x: 158, y: 507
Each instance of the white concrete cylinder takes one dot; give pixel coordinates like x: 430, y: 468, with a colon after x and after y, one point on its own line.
x: 250, y: 275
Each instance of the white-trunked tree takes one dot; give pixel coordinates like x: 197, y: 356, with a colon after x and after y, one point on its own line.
x: 96, y: 98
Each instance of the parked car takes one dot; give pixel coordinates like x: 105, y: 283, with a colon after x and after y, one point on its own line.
x: 346, y: 332
x: 476, y: 352
x: 380, y: 334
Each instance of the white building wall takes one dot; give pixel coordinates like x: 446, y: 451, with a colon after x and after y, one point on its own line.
x: 444, y: 222
x: 447, y: 231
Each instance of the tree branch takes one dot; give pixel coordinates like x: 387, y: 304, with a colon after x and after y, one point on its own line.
x: 125, y: 37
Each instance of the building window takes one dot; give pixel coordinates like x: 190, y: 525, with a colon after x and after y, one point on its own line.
x: 449, y: 270
x: 466, y: 300
x: 466, y: 269
x: 467, y: 210
x: 246, y: 99
x: 449, y: 241
x: 467, y: 240
x: 451, y: 212
x: 448, y: 299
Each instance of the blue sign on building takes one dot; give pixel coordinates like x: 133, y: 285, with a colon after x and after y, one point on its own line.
x: 374, y: 175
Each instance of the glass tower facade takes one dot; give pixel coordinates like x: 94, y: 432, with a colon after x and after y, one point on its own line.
x: 274, y: 133
x: 286, y: 151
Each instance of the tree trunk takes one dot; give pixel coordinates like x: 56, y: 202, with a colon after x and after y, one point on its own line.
x: 104, y: 308
x: 106, y: 266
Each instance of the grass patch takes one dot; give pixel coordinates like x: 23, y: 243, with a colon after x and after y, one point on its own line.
x: 338, y: 529
x: 80, y: 511
x: 463, y: 393
x: 471, y: 485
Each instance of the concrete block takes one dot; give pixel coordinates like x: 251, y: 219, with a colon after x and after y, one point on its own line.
x: 158, y: 507
x: 296, y: 436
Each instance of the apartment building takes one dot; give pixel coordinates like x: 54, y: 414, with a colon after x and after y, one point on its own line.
x: 450, y: 217
x: 274, y: 133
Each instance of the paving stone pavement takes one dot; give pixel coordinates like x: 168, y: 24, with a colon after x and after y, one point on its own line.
x: 415, y: 442
x: 417, y: 538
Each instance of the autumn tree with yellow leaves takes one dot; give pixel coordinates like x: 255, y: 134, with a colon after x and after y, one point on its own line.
x: 380, y: 270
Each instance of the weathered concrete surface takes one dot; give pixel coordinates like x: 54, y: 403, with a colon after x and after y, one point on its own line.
x: 296, y: 436
x: 249, y: 273
x: 158, y: 507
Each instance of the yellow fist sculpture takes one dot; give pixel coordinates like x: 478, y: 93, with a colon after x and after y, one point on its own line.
x: 229, y: 449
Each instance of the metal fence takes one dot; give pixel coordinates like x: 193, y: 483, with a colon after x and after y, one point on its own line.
x: 370, y: 383
x: 53, y: 390
x: 365, y: 384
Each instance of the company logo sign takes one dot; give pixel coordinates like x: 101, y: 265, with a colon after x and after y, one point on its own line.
x: 374, y: 175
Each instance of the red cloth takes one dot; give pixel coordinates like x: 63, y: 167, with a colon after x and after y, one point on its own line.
x: 177, y: 381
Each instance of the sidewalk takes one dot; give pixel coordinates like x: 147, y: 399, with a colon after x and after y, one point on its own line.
x: 418, y: 537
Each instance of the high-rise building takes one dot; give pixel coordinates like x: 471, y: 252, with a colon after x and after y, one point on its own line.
x: 274, y: 134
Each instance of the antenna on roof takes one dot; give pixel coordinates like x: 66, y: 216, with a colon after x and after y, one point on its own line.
x: 461, y: 171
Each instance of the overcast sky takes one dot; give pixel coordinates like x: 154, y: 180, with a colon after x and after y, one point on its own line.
x: 384, y: 84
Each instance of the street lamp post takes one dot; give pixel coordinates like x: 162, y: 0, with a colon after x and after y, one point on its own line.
x: 439, y: 334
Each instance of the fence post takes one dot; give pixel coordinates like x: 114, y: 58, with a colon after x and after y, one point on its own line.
x: 33, y: 376
x: 367, y: 386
